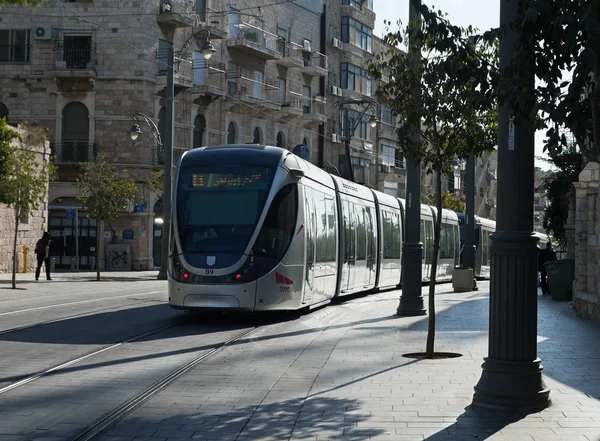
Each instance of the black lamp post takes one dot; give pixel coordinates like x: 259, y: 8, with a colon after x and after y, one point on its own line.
x: 207, y: 51
x: 350, y: 125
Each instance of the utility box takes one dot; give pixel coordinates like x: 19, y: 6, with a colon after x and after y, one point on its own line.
x: 118, y: 257
x: 462, y: 280
x: 561, y: 274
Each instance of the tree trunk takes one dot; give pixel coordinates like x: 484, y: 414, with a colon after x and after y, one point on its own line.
x: 98, y: 238
x: 595, y: 105
x: 14, y: 262
x: 437, y: 227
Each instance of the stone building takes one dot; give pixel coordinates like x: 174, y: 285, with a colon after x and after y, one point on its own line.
x: 283, y: 73
x: 31, y: 226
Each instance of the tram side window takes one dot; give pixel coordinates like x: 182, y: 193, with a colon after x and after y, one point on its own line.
x: 331, y: 228
x: 386, y: 227
x: 446, y: 242
x: 370, y: 234
x: 321, y: 220
x: 485, y: 237
x: 310, y: 247
x: 361, y: 234
x: 349, y: 232
x: 429, y: 240
x: 395, y: 239
x: 278, y: 229
x: 423, y: 240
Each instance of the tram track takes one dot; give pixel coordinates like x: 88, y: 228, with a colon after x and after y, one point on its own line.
x: 133, y: 403
x: 36, y: 376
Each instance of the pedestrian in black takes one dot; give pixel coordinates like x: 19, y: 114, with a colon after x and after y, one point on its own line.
x: 546, y: 255
x: 42, y: 252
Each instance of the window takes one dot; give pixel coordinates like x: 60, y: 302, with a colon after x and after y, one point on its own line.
x: 305, y: 99
x: 278, y: 229
x: 399, y: 159
x: 256, y: 136
x: 355, y: 78
x: 388, y: 155
x: 14, y: 45
x: 200, y: 9
x: 75, y: 133
x: 199, y: 129
x: 305, y: 141
x: 231, y: 133
x: 3, y: 111
x: 77, y: 51
x: 232, y: 78
x: 386, y: 115
x: 350, y: 119
x: 356, y: 33
x: 280, y: 139
x: 361, y: 168
x: 354, y: 3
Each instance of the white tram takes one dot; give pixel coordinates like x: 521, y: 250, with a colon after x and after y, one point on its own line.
x: 257, y: 228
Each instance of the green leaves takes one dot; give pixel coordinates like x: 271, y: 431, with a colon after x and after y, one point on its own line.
x: 28, y: 3
x: 26, y: 171
x: 103, y: 194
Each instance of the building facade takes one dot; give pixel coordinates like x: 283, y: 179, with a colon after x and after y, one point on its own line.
x: 290, y: 74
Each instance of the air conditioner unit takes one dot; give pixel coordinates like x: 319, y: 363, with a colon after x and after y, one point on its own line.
x: 335, y: 137
x: 385, y: 168
x: 337, y: 43
x: 335, y: 90
x: 43, y: 32
x: 306, y: 45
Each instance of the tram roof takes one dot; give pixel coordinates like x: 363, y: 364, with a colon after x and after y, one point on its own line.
x: 237, y: 154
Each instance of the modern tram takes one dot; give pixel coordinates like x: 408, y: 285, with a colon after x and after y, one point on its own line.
x: 257, y: 228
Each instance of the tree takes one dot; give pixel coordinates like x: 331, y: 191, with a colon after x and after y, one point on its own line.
x: 104, y: 195
x: 449, y: 201
x: 24, y: 185
x: 447, y: 100
x: 28, y: 3
x: 7, y: 148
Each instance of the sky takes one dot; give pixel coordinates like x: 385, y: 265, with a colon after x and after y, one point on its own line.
x: 481, y: 14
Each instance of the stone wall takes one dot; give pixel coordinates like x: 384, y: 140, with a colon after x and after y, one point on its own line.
x: 30, y: 229
x: 586, y: 288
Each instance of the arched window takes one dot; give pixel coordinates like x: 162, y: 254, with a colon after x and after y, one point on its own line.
x: 256, y: 136
x: 75, y: 133
x: 3, y: 111
x: 305, y: 141
x: 280, y: 139
x: 231, y: 133
x: 199, y: 129
x: 161, y: 126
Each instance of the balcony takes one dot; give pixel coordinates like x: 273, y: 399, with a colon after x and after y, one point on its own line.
x: 174, y: 14
x: 182, y: 71
x: 315, y: 64
x: 209, y: 81
x: 249, y: 87
x: 253, y: 41
x: 75, y: 66
x: 362, y: 13
x: 314, y: 111
x: 291, y: 54
x: 73, y: 151
x: 291, y: 107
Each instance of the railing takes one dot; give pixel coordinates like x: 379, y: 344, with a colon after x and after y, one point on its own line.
x: 253, y: 35
x: 291, y: 100
x: 289, y: 49
x: 182, y: 63
x: 244, y: 82
x: 314, y: 59
x: 75, y: 58
x: 209, y: 74
x: 73, y: 151
x: 14, y: 53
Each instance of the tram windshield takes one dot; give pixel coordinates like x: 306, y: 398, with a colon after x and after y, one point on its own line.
x: 218, y: 207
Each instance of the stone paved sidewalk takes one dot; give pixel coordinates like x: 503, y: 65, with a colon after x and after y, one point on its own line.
x: 339, y: 373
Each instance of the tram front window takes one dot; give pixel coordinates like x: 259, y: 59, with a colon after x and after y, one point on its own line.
x: 218, y: 207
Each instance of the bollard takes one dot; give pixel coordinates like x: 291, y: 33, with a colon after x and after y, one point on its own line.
x: 24, y: 250
x: 52, y: 264
x: 92, y: 263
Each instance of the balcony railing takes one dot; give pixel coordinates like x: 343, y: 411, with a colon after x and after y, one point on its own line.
x: 209, y: 78
x: 70, y: 58
x: 182, y: 68
x: 291, y: 54
x: 254, y: 41
x: 73, y: 151
x: 315, y: 63
x: 251, y: 88
x: 291, y: 104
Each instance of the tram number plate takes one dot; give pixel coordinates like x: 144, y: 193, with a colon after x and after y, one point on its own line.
x: 210, y: 272
x: 284, y: 289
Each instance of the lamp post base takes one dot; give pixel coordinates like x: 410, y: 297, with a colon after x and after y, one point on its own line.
x: 411, y: 300
x: 162, y: 275
x: 512, y: 385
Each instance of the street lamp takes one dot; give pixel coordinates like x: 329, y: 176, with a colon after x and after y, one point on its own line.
x: 348, y: 132
x: 207, y: 49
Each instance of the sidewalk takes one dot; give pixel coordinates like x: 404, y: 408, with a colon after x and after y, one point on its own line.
x: 338, y: 374
x: 67, y: 276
